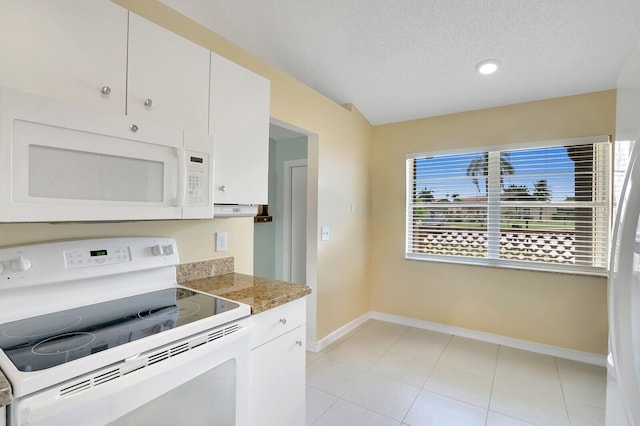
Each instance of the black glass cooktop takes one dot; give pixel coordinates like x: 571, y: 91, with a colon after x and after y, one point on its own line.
x: 48, y: 340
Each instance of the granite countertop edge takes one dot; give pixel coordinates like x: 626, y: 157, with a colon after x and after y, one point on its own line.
x: 261, y: 294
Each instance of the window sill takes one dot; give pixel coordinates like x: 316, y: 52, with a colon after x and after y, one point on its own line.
x: 505, y: 264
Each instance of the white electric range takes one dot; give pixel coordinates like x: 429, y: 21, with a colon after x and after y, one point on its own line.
x: 99, y: 332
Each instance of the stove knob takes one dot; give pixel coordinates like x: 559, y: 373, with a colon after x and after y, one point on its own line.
x: 157, y: 250
x: 168, y: 249
x: 21, y: 264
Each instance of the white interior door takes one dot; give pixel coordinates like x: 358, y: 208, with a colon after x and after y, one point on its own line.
x: 295, y: 222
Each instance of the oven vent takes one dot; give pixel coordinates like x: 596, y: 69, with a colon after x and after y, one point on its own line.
x: 76, y: 387
x: 157, y: 357
x: 215, y: 336
x: 120, y: 370
x: 179, y: 349
x: 99, y: 379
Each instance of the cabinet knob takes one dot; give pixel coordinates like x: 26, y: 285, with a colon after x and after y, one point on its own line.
x: 134, y: 128
x: 222, y: 188
x: 299, y: 342
x: 148, y: 103
x: 106, y: 90
x: 283, y: 321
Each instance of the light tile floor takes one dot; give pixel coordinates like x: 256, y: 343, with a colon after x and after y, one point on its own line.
x: 389, y: 374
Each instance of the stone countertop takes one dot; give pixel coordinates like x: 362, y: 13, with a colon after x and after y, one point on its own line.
x: 5, y: 391
x: 260, y: 293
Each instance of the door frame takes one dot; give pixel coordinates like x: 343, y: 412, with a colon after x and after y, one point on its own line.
x: 312, y: 225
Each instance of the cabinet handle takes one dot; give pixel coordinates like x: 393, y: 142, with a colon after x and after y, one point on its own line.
x: 134, y: 128
x: 106, y: 90
x: 148, y: 103
x: 283, y: 321
x: 299, y: 343
x: 222, y: 188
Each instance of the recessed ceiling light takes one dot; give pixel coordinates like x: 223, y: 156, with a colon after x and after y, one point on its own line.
x: 487, y: 67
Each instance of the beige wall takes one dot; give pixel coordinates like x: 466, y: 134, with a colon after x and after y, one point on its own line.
x: 557, y: 309
x: 195, y: 238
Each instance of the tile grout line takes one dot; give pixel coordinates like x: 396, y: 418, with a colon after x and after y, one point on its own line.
x: 421, y: 389
x: 341, y: 397
x: 564, y: 396
x: 370, y: 372
x: 328, y: 408
x: 493, y: 382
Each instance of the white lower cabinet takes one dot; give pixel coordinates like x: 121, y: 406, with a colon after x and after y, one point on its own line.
x: 278, y: 366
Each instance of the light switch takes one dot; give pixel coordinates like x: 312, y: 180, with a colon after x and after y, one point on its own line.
x: 221, y: 241
x: 325, y: 233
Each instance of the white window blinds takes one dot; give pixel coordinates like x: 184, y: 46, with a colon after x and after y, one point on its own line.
x: 544, y: 206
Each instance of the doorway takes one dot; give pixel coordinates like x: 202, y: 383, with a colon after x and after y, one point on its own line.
x: 286, y: 247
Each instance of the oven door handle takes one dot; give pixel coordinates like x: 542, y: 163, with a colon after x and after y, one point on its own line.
x: 133, y: 363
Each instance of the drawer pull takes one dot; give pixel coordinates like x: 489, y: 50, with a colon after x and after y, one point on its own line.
x: 299, y: 342
x: 283, y: 321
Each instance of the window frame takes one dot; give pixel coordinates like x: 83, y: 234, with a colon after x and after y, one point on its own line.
x: 494, y: 205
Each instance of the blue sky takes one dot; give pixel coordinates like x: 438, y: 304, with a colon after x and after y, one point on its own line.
x: 530, y: 165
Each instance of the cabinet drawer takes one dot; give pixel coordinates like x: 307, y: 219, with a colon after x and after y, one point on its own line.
x: 277, y: 321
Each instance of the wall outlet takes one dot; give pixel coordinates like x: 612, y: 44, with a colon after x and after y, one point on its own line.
x: 221, y: 241
x: 325, y: 233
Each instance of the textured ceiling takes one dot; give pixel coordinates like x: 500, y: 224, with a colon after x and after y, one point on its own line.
x: 398, y: 60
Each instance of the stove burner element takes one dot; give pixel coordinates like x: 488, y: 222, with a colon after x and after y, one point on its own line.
x: 184, y: 309
x: 63, y: 343
x: 54, y: 325
x: 156, y: 312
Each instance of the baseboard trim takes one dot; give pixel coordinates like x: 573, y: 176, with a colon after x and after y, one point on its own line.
x: 541, y: 348
x: 341, y: 332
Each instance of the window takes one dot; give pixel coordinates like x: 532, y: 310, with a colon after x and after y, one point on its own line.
x: 542, y: 206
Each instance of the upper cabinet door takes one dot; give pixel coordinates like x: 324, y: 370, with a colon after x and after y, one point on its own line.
x: 168, y: 76
x: 239, y: 124
x: 65, y: 49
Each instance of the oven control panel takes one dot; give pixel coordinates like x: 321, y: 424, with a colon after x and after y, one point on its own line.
x: 78, y: 260
x: 98, y: 256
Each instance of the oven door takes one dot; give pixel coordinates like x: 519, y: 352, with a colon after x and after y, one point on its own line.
x: 206, y: 383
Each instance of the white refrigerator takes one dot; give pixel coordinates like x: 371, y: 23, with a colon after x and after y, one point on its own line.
x: 623, y: 361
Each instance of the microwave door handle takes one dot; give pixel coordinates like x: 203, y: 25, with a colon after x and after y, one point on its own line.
x: 182, y: 177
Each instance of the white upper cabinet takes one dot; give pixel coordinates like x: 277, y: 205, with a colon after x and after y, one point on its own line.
x: 65, y: 49
x: 78, y: 51
x: 168, y: 76
x: 239, y: 123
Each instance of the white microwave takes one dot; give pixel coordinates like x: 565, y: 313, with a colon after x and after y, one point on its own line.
x: 61, y: 162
